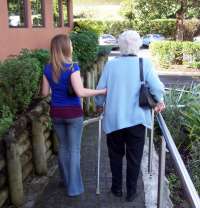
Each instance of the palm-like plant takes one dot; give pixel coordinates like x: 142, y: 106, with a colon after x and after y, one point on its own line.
x: 183, y: 114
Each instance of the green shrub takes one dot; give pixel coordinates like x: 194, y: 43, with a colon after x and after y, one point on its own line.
x: 117, y: 27
x: 195, y: 64
x: 41, y: 55
x: 104, y: 50
x: 174, y: 120
x: 162, y: 26
x: 89, y: 25
x: 194, y: 164
x: 176, y: 52
x: 182, y: 116
x: 191, y: 27
x: 6, y: 119
x: 85, y: 45
x: 19, y: 80
x: 184, y: 122
x: 191, y: 117
x: 167, y: 27
x: 175, y: 188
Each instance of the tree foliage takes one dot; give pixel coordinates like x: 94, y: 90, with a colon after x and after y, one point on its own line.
x: 154, y: 9
x: 127, y: 9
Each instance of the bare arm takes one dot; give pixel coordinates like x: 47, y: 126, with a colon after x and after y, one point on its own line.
x: 45, y: 87
x: 79, y: 88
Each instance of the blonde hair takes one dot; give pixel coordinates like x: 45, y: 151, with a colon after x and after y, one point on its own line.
x: 129, y: 42
x: 61, y: 52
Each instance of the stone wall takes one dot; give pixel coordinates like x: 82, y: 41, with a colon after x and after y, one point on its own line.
x: 25, y: 150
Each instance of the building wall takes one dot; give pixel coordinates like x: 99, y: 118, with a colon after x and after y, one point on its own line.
x: 12, y: 40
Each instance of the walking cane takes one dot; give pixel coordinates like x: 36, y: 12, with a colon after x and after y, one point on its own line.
x: 99, y: 156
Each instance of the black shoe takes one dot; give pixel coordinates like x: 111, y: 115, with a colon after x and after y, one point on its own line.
x: 131, y: 196
x: 117, y: 193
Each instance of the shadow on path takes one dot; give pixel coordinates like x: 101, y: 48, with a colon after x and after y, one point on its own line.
x: 54, y: 195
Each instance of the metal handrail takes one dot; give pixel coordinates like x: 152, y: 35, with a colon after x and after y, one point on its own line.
x: 182, y: 171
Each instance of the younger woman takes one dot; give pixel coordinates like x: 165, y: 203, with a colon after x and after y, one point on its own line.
x: 66, y: 111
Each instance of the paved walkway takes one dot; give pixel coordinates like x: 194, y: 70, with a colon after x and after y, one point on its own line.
x: 54, y: 195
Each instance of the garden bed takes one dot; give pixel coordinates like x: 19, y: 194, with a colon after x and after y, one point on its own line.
x: 184, y: 126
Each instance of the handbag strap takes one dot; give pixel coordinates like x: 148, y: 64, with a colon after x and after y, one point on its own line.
x: 141, y: 70
x: 71, y: 68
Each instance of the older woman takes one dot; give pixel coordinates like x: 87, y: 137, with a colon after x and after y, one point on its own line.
x: 124, y: 120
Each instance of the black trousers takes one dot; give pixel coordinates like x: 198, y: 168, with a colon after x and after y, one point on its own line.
x: 129, y: 141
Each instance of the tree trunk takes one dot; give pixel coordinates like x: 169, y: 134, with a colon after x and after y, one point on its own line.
x: 180, y: 15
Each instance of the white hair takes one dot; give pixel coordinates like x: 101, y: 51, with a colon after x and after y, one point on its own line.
x: 129, y: 42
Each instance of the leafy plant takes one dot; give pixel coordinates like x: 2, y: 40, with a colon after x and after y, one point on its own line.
x: 194, y: 164
x: 85, y: 44
x: 104, y: 50
x: 174, y: 120
x: 184, y: 122
x: 41, y: 55
x: 6, y: 119
x: 176, y: 52
x: 127, y: 9
x: 19, y: 80
x: 175, y: 187
x: 192, y: 121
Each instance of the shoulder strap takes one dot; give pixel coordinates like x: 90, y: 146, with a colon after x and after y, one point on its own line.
x: 141, y: 69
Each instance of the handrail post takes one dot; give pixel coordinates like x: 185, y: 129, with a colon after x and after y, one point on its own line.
x: 161, y: 174
x: 99, y: 157
x: 150, y: 156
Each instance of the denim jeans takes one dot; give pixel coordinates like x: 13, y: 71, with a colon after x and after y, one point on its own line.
x: 69, y: 132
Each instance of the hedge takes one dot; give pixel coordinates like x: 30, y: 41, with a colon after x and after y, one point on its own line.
x: 19, y: 80
x: 167, y: 27
x: 163, y: 26
x: 176, y: 52
x: 85, y: 45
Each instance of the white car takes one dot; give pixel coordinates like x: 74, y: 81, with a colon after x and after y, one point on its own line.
x: 196, y: 39
x: 14, y: 21
x: 109, y: 40
x: 149, y: 38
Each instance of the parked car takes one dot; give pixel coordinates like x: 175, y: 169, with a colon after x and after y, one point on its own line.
x: 149, y: 38
x: 14, y: 21
x: 196, y: 39
x: 109, y: 40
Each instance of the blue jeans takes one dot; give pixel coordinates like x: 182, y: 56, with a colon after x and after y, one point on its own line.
x: 69, y: 132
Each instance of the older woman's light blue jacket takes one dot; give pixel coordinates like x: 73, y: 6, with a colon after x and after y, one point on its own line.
x: 121, y: 77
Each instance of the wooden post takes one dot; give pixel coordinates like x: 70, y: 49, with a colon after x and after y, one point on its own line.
x: 93, y: 87
x: 95, y: 74
x: 88, y: 85
x: 3, y: 196
x: 39, y: 149
x: 14, y: 170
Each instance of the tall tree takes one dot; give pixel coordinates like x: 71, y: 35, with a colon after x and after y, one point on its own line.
x: 179, y: 9
x: 127, y: 9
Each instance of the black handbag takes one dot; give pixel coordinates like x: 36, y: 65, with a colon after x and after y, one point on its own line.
x: 70, y: 89
x: 146, y: 99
